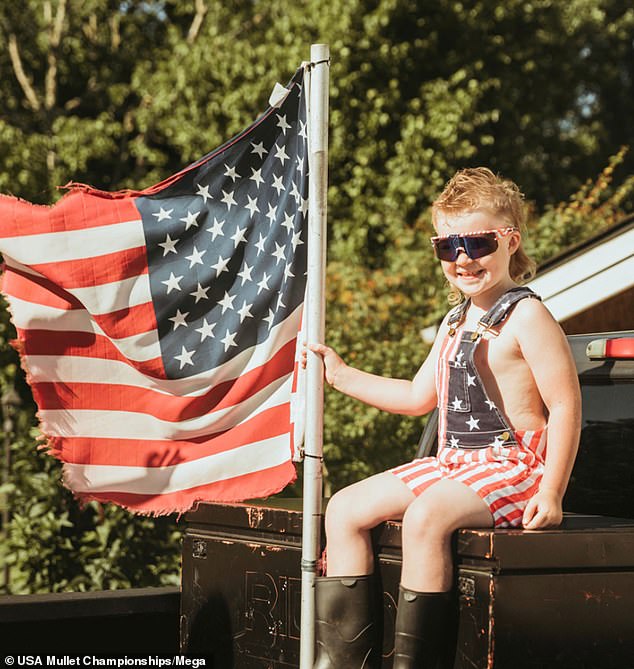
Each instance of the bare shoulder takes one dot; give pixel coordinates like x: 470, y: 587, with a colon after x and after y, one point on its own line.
x: 535, y: 327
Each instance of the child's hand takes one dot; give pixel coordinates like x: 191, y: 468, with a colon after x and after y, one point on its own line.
x: 332, y: 362
x: 543, y: 510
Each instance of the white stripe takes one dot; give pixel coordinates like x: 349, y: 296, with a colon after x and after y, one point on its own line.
x: 76, y: 369
x: 74, y: 244
x: 32, y: 316
x: 131, y: 425
x: 109, y: 297
x: 240, y: 461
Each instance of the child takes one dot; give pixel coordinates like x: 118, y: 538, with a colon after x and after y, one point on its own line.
x: 503, y: 377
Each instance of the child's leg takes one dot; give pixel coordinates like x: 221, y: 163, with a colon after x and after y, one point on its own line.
x: 428, y: 524
x: 353, y: 512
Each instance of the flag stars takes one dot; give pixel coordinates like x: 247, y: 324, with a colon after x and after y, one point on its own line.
x: 200, y: 293
x: 169, y: 245
x: 259, y: 149
x: 288, y: 222
x: 303, y: 206
x: 245, y: 311
x: 231, y: 173
x: 190, y: 219
x: 257, y: 177
x: 296, y: 241
x: 206, y: 330
x: 216, y: 229
x: 281, y: 154
x: 173, y: 283
x: 185, y: 357
x: 260, y: 244
x: 279, y: 253
x: 227, y: 198
x: 163, y: 214
x: 227, y: 302
x: 264, y: 283
x: 470, y: 380
x: 491, y: 405
x: 282, y: 124
x: 456, y: 405
x: 272, y: 214
x: 221, y: 265
x: 252, y: 206
x: 229, y: 340
x: 269, y: 319
x: 455, y: 443
x: 473, y: 423
x: 203, y: 191
x: 179, y: 319
x: 239, y: 236
x: 245, y: 273
x: 278, y: 184
x: 196, y: 257
x: 287, y: 271
x: 302, y: 130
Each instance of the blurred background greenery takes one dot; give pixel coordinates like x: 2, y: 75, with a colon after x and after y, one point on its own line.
x: 121, y: 94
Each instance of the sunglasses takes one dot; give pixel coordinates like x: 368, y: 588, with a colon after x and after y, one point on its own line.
x: 475, y: 244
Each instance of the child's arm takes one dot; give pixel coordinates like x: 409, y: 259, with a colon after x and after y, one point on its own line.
x: 412, y: 398
x: 545, y: 349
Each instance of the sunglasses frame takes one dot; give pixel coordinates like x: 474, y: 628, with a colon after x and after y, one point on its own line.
x: 498, y: 232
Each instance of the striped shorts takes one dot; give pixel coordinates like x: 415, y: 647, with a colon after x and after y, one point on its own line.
x: 505, y: 477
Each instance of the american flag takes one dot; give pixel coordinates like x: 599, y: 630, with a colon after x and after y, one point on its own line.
x: 159, y: 328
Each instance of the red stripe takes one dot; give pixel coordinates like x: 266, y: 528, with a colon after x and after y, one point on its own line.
x: 37, y: 290
x: 87, y: 272
x: 82, y: 345
x: 163, y: 453
x: 127, y: 322
x: 113, y: 397
x: 75, y: 211
x: 266, y: 482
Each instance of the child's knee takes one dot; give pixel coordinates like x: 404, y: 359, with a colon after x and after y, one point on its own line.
x: 425, y: 519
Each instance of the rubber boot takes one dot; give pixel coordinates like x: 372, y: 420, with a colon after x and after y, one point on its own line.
x: 423, y: 630
x: 346, y: 628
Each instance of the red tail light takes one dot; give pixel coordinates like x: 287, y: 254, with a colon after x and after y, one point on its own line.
x: 603, y: 349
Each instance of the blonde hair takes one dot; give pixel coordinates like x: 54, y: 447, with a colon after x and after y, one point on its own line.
x: 479, y: 188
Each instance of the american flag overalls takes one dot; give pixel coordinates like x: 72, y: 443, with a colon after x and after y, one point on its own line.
x: 476, y: 443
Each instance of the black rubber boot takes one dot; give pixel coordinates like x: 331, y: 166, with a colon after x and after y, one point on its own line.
x: 346, y: 628
x: 424, y: 629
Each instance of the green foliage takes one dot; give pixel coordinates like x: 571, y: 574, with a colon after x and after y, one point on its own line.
x: 121, y: 95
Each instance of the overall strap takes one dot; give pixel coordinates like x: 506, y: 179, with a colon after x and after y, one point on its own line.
x: 502, y: 308
x: 456, y: 316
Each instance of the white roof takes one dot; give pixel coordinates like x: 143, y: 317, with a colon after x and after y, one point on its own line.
x: 594, y: 273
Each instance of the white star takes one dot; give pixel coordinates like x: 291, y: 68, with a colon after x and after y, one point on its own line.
x: 245, y: 311
x: 295, y: 193
x: 264, y: 283
x: 206, y: 330
x: 491, y: 405
x: 162, y: 215
x: 288, y: 222
x: 227, y: 302
x: 179, y: 319
x: 260, y: 244
x: 456, y: 404
x: 287, y: 271
x: 196, y: 257
x: 269, y: 318
x: 228, y: 340
x: 169, y: 245
x: 498, y: 441
x: 296, y: 241
x: 259, y: 149
x: 238, y: 236
x: 245, y: 274
x: 302, y: 130
x: 455, y: 443
x: 216, y: 229
x: 280, y: 304
x: 221, y: 265
x: 470, y: 380
x: 460, y: 356
x: 231, y: 172
x: 190, y: 219
x: 473, y: 423
x: 282, y: 124
x: 200, y: 293
x: 172, y: 283
x: 272, y: 213
x: 278, y: 253
x: 252, y: 206
x: 281, y: 154
x: 303, y: 207
x: 277, y: 184
x: 227, y: 198
x: 257, y: 177
x: 185, y: 358
x: 204, y: 191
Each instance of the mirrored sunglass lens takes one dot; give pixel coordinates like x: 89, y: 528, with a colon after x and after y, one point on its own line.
x: 445, y: 249
x: 480, y: 245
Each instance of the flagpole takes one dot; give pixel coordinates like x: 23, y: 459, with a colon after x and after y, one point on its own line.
x: 316, y: 307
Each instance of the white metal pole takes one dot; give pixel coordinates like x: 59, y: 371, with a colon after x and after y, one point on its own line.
x: 315, y: 315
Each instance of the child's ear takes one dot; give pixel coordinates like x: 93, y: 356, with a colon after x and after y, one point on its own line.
x: 514, y: 241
